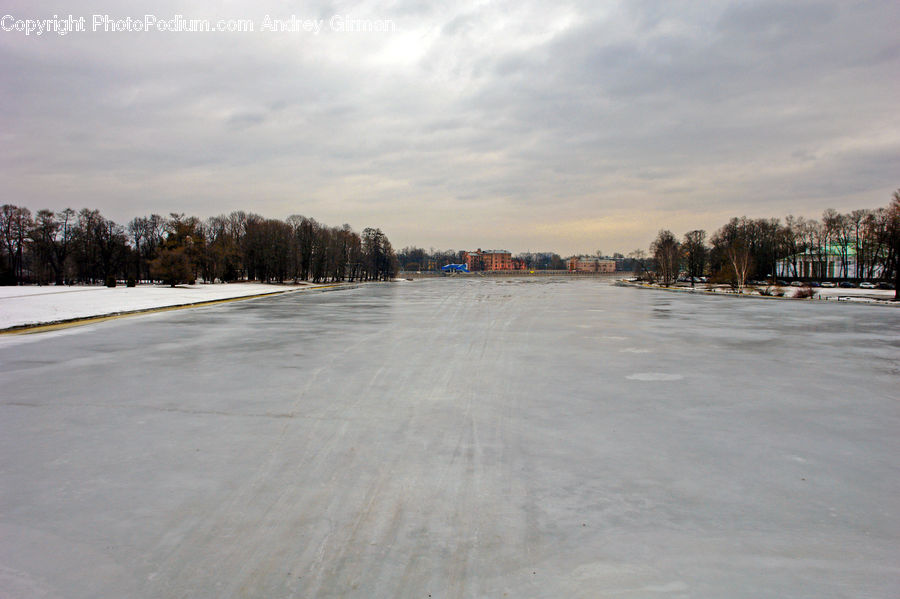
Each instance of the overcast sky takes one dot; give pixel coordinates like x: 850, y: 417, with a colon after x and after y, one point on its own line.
x: 564, y: 126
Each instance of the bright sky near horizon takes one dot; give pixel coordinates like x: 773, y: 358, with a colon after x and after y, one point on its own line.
x: 568, y: 126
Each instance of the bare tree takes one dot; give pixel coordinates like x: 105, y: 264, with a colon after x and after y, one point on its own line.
x: 732, y: 244
x: 694, y: 249
x: 892, y: 241
x: 15, y: 226
x: 666, y: 251
x: 43, y: 238
x: 638, y: 257
x: 739, y: 255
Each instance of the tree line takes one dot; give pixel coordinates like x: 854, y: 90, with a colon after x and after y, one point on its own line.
x: 744, y: 249
x: 415, y: 258
x: 67, y: 247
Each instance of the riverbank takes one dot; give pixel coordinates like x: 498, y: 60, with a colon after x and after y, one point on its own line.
x: 858, y: 296
x: 35, y: 308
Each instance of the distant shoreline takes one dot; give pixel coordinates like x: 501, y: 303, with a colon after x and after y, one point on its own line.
x: 430, y: 274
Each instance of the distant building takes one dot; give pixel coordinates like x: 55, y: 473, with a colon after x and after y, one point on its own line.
x: 451, y: 268
x: 577, y: 264
x: 489, y: 260
x: 831, y: 262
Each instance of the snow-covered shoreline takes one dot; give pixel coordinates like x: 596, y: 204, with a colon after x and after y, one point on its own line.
x: 861, y: 296
x: 27, y: 306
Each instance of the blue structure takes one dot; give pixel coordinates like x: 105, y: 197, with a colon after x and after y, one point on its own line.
x: 449, y: 268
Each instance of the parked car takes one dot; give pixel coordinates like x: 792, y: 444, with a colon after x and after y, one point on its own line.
x: 796, y: 284
x: 846, y: 285
x: 814, y: 284
x: 866, y: 285
x: 828, y: 284
x: 781, y: 283
x: 884, y: 285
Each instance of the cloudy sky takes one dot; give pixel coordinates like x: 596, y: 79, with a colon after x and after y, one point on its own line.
x: 565, y: 126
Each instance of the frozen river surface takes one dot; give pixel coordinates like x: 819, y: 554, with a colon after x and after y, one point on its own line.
x: 457, y: 438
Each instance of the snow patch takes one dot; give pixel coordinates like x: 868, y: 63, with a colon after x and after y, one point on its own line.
x: 26, y: 305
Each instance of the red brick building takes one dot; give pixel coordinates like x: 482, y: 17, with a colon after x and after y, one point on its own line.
x: 489, y: 260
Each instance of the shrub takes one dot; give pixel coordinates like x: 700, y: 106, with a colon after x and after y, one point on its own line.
x: 130, y: 282
x: 110, y: 281
x: 725, y: 276
x: 805, y: 293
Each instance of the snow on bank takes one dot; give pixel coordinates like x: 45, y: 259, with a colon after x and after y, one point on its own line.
x: 880, y: 296
x: 834, y: 293
x: 35, y: 305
